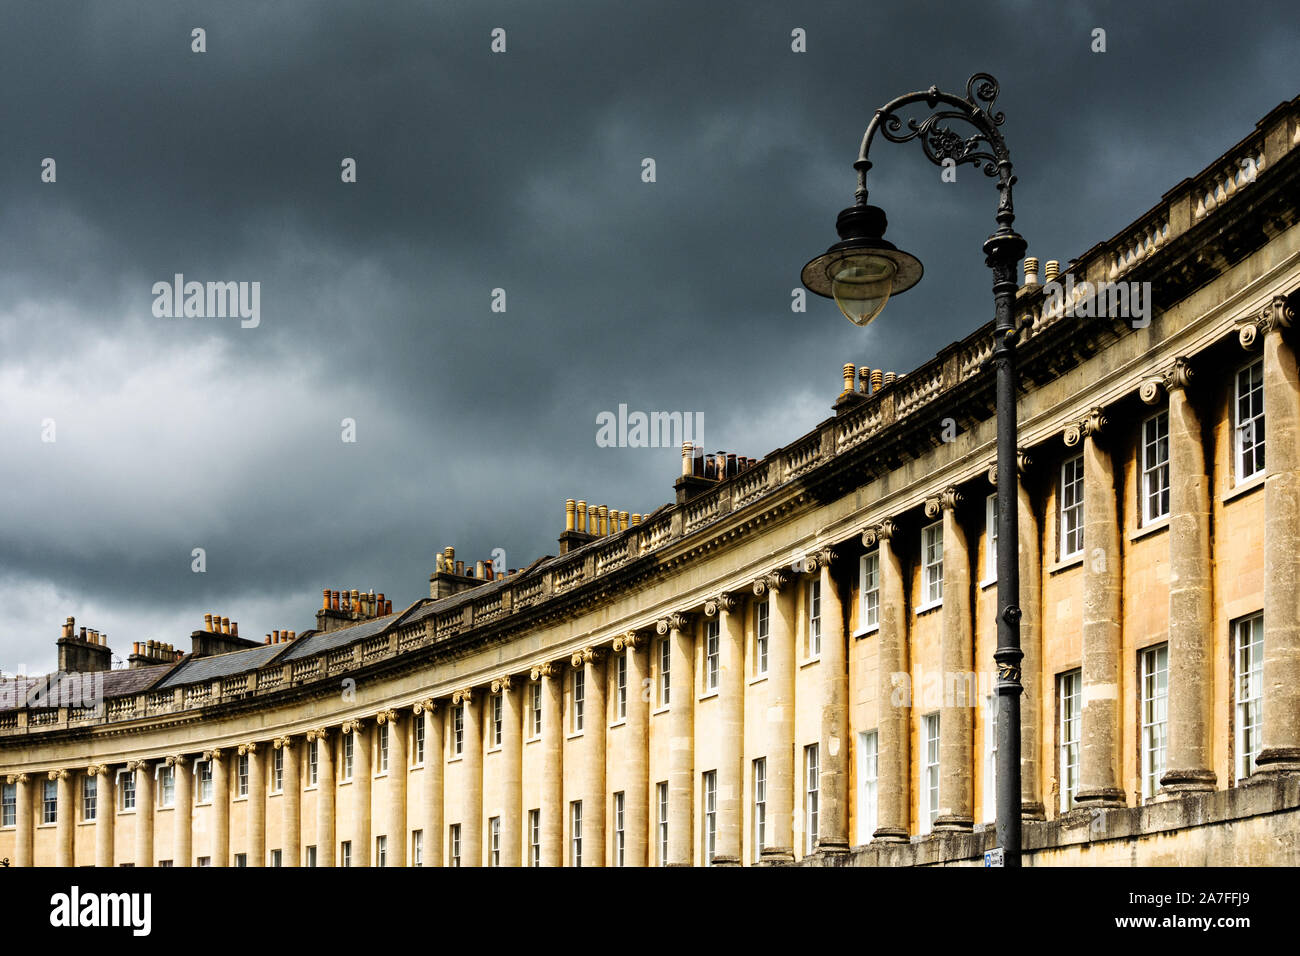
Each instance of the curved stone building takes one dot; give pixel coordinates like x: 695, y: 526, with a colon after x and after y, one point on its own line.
x: 792, y: 662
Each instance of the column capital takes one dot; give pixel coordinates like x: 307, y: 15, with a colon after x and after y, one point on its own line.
x: 464, y: 696
x: 1090, y: 425
x: 134, y: 765
x: 177, y: 760
x: 629, y: 641
x: 946, y: 500
x: 544, y: 669
x: 677, y: 621
x: 1274, y: 316
x: 588, y: 655
x: 99, y: 770
x: 355, y: 725
x: 58, y: 775
x: 1175, y: 376
x: 386, y: 717
x: 772, y: 582
x: 724, y: 603
x: 248, y: 748
x: 282, y: 743
x: 1024, y: 460
x: 213, y: 755
x: 879, y: 533
x: 501, y: 685
x: 421, y: 706
x: 16, y: 778
x: 320, y: 733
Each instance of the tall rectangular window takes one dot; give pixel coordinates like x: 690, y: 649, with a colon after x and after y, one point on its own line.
x: 126, y: 788
x: 575, y: 833
x: 8, y: 804
x: 349, y: 747
x: 812, y: 793
x: 712, y: 654
x: 277, y: 857
x: 277, y: 770
x: 762, y: 631
x: 579, y: 698
x: 621, y: 681
x: 417, y: 731
x: 1154, y: 682
x: 313, y: 762
x: 383, y: 747
x: 494, y: 841
x: 1248, y: 696
x: 990, y: 757
x: 1155, y: 468
x: 760, y: 807
x: 241, y: 859
x: 498, y: 721
x: 166, y: 786
x: 345, y: 853
x: 453, y: 844
x: 930, y: 774
x: 709, y: 786
x: 417, y: 848
x: 311, y: 856
x: 814, y: 618
x: 991, y: 538
x: 458, y: 729
x: 203, y: 861
x: 381, y: 850
x: 535, y: 705
x: 1070, y: 507
x: 869, y: 591
x: 665, y: 672
x: 534, y: 837
x: 661, y: 799
x: 241, y: 775
x: 1248, y: 415
x: 932, y: 562
x: 1070, y: 695
x: 89, y: 797
x: 620, y: 834
x: 204, y: 773
x: 868, y: 781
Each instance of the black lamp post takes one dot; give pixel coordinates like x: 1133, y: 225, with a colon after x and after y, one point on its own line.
x: 862, y: 271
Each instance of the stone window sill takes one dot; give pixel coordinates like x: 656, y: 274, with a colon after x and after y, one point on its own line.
x: 867, y: 630
x: 928, y: 606
x: 574, y: 735
x: 988, y: 583
x: 1160, y: 524
x: 706, y: 695
x: 1252, y: 483
x: 1065, y: 565
x: 618, y: 723
x: 757, y: 680
x: 808, y: 661
x: 661, y: 710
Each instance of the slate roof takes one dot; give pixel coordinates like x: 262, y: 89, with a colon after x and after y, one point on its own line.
x: 201, y: 669
x: 321, y: 642
x: 117, y: 683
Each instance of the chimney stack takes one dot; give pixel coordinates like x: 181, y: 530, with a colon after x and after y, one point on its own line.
x: 569, y: 508
x: 225, y: 625
x: 849, y: 369
x: 1051, y: 270
x: 1031, y: 271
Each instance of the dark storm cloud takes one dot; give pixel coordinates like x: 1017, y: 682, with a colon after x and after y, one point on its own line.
x: 477, y: 171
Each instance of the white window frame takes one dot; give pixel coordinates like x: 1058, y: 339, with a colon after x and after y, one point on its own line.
x: 498, y: 718
x: 1069, y: 695
x: 458, y: 729
x: 345, y: 853
x: 417, y: 848
x: 578, y: 701
x: 1247, y: 692
x: 494, y: 841
x: 381, y: 744
x: 814, y: 619
x: 1069, y: 507
x: 417, y: 740
x: 620, y: 685
x: 1153, y: 687
x: 277, y: 858
x: 1155, y: 468
x: 203, y: 780
x: 868, y: 784
x: 8, y: 804
x: 535, y: 705
x: 762, y: 634
x: 310, y: 856
x: 381, y: 850
x: 575, y: 833
x: 990, y: 540
x: 313, y: 762
x: 1249, y: 453
x: 661, y: 800
x: 453, y: 845
x: 990, y: 757
x: 709, y: 791
x: 165, y: 785
x: 241, y: 775
x: 620, y: 834
x: 89, y: 798
x: 930, y: 771
x: 349, y: 754
x: 812, y: 797
x: 759, y: 812
x: 535, y: 838
x: 712, y: 654
x: 277, y: 770
x: 932, y: 565
x: 665, y: 672
x: 126, y: 790
x: 869, y: 591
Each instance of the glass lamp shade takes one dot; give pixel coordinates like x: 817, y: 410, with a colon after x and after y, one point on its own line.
x: 862, y: 284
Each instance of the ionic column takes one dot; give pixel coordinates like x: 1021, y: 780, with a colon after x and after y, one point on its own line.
x: 362, y: 778
x: 105, y: 812
x: 552, y: 808
x: 290, y: 806
x: 1191, y: 623
x: 636, y: 731
x: 731, y: 730
x: 429, y: 711
x: 893, y: 693
x: 396, y: 824
x: 1281, y: 719
x: 220, y: 807
x: 1031, y: 639
x: 66, y: 818
x: 512, y: 755
x: 23, y: 818
x: 779, y: 734
x: 593, y: 750
x: 471, y: 820
x: 833, y: 787
x: 324, y: 796
x: 182, y: 843
x: 1099, y: 777
x: 256, y: 804
x: 956, y: 747
x: 143, y: 812
x: 681, y: 738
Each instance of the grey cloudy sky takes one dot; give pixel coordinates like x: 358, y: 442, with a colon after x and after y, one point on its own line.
x: 478, y: 171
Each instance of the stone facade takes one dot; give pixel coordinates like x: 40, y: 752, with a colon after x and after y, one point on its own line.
x: 806, y: 637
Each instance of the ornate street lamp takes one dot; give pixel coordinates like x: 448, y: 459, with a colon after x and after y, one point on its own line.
x: 862, y: 271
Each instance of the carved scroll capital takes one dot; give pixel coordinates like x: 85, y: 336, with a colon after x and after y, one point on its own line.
x: 879, y: 533
x: 628, y: 642
x: 677, y: 621
x: 1090, y: 425
x: 724, y: 603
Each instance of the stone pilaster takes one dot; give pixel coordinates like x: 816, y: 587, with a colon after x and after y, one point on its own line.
x: 833, y: 749
x: 256, y: 814
x: 434, y: 761
x: 24, y: 820
x: 143, y: 771
x: 67, y: 817
x: 552, y: 808
x: 894, y: 699
x: 636, y: 797
x: 1191, y: 616
x: 324, y: 795
x: 595, y: 718
x: 512, y: 755
x: 1099, y: 777
x: 471, y: 820
x: 681, y: 738
x: 731, y: 699
x: 362, y: 781
x: 1280, y: 737
x: 105, y: 812
x: 220, y: 807
x: 182, y: 810
x: 779, y: 736
x: 291, y: 804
